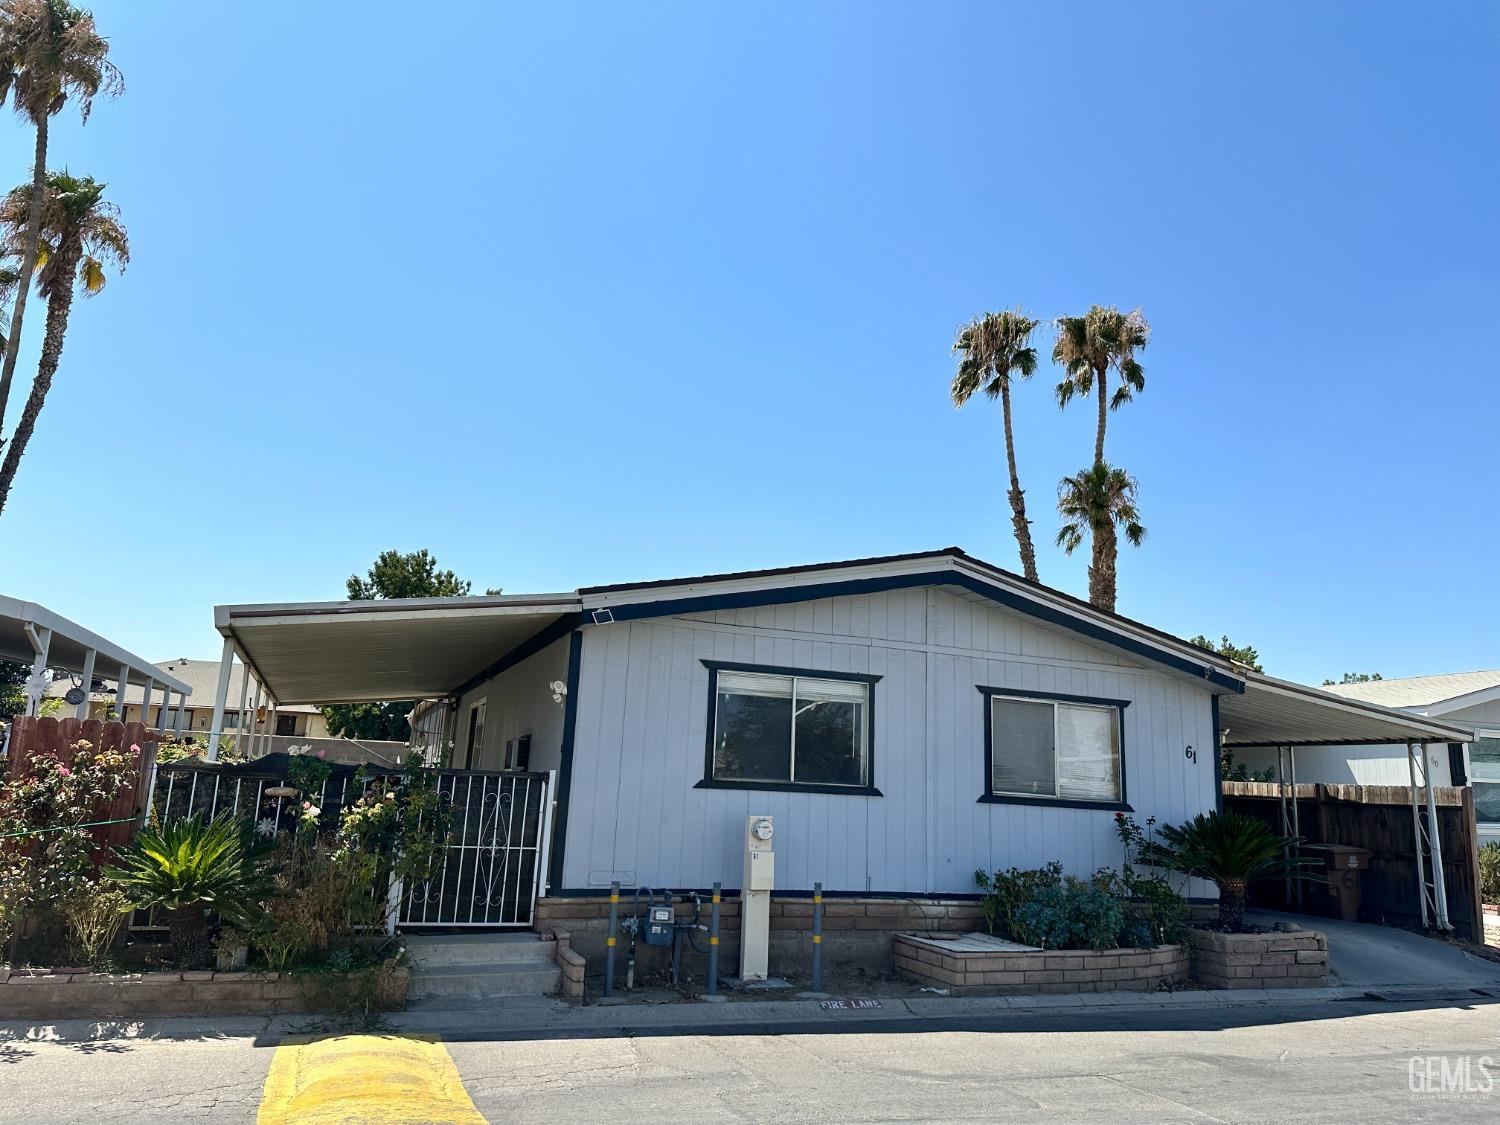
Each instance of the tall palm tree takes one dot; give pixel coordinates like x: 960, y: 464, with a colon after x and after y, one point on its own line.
x: 80, y: 233
x: 1098, y: 502
x: 49, y: 52
x: 1088, y: 346
x: 996, y: 346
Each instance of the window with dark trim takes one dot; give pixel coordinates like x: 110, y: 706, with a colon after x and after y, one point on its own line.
x: 1047, y: 749
x: 789, y: 728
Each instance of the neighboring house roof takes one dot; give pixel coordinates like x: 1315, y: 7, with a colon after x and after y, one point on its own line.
x: 1423, y: 692
x: 202, y: 676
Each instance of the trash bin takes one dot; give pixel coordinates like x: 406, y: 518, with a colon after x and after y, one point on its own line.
x: 1344, y: 866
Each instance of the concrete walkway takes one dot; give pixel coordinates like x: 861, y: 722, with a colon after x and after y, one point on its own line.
x: 1364, y: 956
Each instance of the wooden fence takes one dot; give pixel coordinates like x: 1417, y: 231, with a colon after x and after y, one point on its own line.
x: 1377, y: 817
x: 30, y: 736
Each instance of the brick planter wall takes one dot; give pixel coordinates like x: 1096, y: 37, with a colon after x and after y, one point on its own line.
x: 1273, y: 960
x: 1044, y: 971
x: 41, y: 995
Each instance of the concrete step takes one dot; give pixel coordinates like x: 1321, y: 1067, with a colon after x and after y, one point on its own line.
x: 478, y: 981
x: 442, y: 950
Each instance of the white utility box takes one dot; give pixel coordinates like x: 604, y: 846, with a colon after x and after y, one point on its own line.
x: 755, y: 898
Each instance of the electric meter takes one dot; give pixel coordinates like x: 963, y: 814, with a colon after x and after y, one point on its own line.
x: 762, y: 828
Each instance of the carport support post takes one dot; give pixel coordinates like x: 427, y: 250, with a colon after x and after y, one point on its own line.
x: 177, y: 720
x: 1416, y: 826
x: 124, y: 682
x: 1435, y: 843
x: 82, y: 710
x: 36, y: 686
x: 221, y: 691
x: 609, y: 941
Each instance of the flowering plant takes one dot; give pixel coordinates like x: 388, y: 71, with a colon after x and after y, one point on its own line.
x: 307, y: 770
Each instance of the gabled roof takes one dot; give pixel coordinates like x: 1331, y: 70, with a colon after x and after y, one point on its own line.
x: 1420, y: 691
x: 950, y: 566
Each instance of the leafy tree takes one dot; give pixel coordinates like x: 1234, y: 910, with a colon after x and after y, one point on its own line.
x: 49, y: 52
x: 1098, y: 502
x: 994, y: 347
x: 410, y: 575
x: 80, y: 232
x: 395, y: 574
x: 1357, y: 678
x: 13, y: 677
x: 1240, y: 654
x: 1088, y: 347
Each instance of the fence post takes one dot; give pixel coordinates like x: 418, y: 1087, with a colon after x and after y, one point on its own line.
x: 817, y: 938
x: 713, y: 942
x: 609, y: 942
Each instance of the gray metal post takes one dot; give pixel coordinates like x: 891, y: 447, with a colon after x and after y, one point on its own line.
x: 817, y: 938
x: 609, y: 942
x: 713, y: 943
x: 146, y: 702
x: 120, y: 692
x: 82, y: 710
x: 36, y: 685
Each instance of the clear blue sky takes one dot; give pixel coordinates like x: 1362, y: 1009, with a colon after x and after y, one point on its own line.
x: 573, y: 295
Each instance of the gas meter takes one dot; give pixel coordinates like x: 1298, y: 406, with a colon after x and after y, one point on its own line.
x: 660, y: 924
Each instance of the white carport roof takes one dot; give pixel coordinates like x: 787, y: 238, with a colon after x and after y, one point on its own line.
x: 398, y: 648
x: 70, y: 644
x: 1274, y: 712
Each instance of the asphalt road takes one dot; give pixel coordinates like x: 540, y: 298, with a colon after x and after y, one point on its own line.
x: 1314, y: 1062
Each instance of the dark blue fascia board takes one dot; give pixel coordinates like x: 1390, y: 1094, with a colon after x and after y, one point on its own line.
x: 564, y: 793
x: 527, y: 648
x: 748, y: 599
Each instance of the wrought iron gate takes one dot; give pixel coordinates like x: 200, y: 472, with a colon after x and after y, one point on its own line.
x: 496, y: 855
x: 497, y: 852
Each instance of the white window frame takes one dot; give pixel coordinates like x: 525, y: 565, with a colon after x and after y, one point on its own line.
x: 1116, y: 709
x: 474, y: 743
x: 1473, y: 767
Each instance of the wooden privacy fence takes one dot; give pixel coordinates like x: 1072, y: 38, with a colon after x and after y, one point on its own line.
x: 1377, y: 817
x: 30, y: 736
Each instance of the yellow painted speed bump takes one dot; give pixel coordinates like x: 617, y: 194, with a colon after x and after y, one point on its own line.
x: 381, y: 1079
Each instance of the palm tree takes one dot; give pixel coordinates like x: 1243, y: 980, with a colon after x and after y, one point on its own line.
x: 1097, y: 502
x: 995, y: 346
x: 80, y: 232
x: 49, y: 52
x: 1088, y: 346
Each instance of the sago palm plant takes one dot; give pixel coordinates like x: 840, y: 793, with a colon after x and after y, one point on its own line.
x: 188, y: 868
x: 1231, y: 850
x: 995, y: 347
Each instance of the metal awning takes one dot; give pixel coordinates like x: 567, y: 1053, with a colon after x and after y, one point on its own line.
x: 1274, y: 712
x: 35, y: 635
x: 398, y: 648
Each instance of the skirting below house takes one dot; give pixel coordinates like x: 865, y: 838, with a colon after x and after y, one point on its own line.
x: 857, y: 932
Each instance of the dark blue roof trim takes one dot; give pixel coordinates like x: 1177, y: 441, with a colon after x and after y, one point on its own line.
x: 784, y: 595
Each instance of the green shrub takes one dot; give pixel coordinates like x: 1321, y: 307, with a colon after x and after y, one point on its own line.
x: 1005, y: 892
x: 1489, y: 872
x: 1078, y: 914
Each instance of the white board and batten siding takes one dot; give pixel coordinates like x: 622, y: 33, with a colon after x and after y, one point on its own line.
x: 518, y: 702
x: 643, y: 715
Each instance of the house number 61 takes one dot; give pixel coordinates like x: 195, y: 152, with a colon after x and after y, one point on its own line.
x: 1191, y: 755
